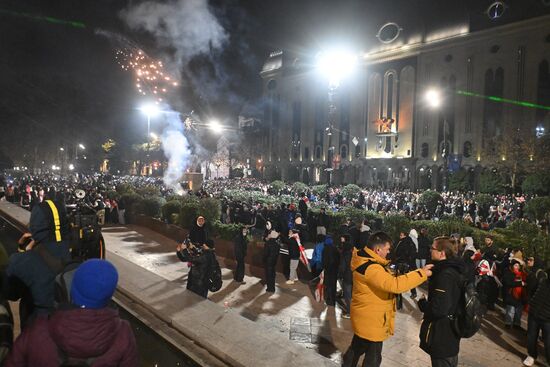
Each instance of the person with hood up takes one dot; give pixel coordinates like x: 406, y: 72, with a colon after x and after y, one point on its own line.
x: 331, y: 262
x: 487, y: 285
x: 88, y: 331
x: 198, y: 234
x: 36, y: 268
x: 201, y: 259
x: 240, y: 248
x: 270, y: 256
x: 437, y: 337
x: 373, y: 304
x: 468, y: 256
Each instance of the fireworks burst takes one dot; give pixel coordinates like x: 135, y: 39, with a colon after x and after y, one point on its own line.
x: 150, y: 77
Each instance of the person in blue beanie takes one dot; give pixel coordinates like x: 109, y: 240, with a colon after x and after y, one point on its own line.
x: 86, y: 332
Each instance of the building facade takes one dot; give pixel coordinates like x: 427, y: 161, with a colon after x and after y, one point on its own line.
x: 491, y: 79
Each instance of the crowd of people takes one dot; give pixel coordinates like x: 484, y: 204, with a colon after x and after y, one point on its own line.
x: 356, y: 266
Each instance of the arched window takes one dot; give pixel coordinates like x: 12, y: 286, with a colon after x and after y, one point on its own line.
x: 424, y: 150
x: 344, y: 152
x: 467, y: 149
x: 318, y: 152
x: 306, y: 153
x: 358, y: 151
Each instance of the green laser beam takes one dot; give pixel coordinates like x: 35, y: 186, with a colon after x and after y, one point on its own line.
x: 43, y: 18
x: 504, y: 100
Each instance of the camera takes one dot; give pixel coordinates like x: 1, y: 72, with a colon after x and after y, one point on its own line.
x: 397, y: 270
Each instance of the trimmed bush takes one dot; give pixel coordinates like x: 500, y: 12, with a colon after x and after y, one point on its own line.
x: 319, y: 190
x: 351, y: 191
x: 277, y: 185
x: 150, y: 206
x: 148, y: 190
x: 188, y: 214
x: 112, y: 194
x: 130, y: 200
x: 125, y: 189
x: 171, y: 207
x: 210, y: 209
x: 226, y: 231
x: 395, y: 223
x: 460, y: 181
x: 299, y: 187
x: 430, y: 199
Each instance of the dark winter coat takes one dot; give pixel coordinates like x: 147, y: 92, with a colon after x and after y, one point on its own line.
x: 490, y: 255
x: 344, y: 271
x: 240, y: 246
x: 405, y: 253
x: 198, y: 235
x: 539, y: 306
x: 323, y: 220
x: 302, y: 207
x: 508, y: 282
x: 293, y: 249
x: 331, y: 261
x: 80, y: 333
x: 533, y: 278
x: 271, y: 252
x: 363, y: 240
x: 437, y: 337
x: 424, y: 245
x: 201, y: 267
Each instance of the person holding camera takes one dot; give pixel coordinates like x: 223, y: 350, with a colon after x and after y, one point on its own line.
x: 373, y: 303
x: 202, y: 259
x: 437, y: 335
x: 404, y: 255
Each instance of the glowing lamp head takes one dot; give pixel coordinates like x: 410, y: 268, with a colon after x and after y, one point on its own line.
x: 71, y: 167
x: 154, y: 136
x: 81, y: 146
x: 150, y: 110
x: 433, y: 98
x: 215, y: 126
x: 335, y: 65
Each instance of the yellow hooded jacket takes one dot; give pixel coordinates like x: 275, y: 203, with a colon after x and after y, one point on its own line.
x: 373, y: 303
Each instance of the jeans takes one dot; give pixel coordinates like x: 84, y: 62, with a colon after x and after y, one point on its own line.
x: 420, y: 263
x: 534, y: 326
x: 347, y: 290
x: 293, y: 266
x: 445, y: 362
x: 360, y: 346
x: 513, y: 315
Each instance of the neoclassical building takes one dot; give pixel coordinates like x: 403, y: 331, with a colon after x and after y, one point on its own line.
x: 384, y: 131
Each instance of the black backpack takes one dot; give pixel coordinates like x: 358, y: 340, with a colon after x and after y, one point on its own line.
x: 467, y: 320
x: 215, y: 278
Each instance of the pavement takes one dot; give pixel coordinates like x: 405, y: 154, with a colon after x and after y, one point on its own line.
x: 291, y: 313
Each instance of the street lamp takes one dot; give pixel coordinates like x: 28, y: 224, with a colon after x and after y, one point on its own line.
x: 334, y: 66
x: 434, y: 100
x: 153, y: 136
x: 215, y: 126
x: 149, y: 110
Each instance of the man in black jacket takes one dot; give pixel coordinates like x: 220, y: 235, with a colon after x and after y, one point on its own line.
x: 437, y: 337
x: 270, y: 256
x: 424, y: 244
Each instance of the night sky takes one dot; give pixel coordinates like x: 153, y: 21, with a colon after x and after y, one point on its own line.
x: 61, y: 84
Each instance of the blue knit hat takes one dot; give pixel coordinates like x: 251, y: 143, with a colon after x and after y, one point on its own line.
x: 329, y: 241
x: 93, y: 284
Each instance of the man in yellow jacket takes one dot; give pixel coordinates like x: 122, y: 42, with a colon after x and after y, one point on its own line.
x: 373, y: 304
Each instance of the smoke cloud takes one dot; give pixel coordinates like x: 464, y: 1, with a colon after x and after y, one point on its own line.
x: 188, y: 27
x: 176, y: 149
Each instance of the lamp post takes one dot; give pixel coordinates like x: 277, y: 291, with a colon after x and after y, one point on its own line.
x: 149, y: 110
x: 433, y: 98
x: 334, y: 65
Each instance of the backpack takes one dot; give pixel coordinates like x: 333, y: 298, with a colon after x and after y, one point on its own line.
x: 467, y: 320
x: 63, y: 282
x: 215, y: 278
